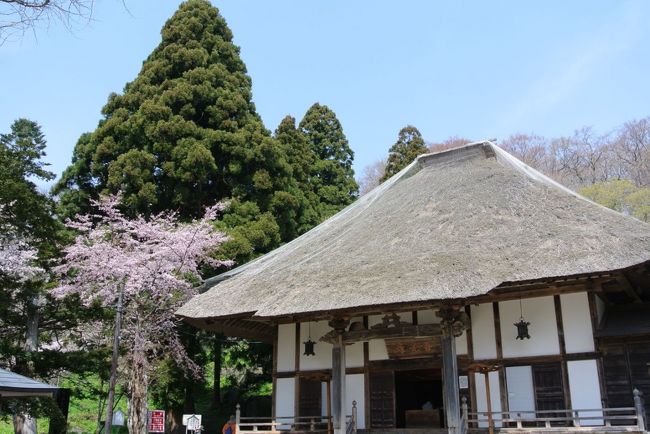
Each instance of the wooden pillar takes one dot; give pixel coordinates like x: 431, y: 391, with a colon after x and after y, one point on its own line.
x: 453, y: 323
x: 329, y: 406
x: 488, y: 398
x: 338, y: 377
x: 450, y: 381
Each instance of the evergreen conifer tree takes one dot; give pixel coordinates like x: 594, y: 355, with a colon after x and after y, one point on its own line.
x: 185, y: 134
x: 301, y: 159
x: 409, y: 145
x: 332, y: 176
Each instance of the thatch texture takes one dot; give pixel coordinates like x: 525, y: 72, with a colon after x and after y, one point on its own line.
x: 451, y: 225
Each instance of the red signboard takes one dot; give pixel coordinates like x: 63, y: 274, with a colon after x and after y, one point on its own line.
x: 156, y: 421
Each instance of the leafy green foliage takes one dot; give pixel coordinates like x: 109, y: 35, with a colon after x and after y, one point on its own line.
x: 332, y: 177
x: 25, y: 303
x: 621, y: 195
x: 184, y: 134
x: 409, y: 145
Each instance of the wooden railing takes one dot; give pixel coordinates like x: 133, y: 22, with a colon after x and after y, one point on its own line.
x: 322, y: 424
x: 574, y: 418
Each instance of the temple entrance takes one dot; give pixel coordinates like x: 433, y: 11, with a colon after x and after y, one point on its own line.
x: 418, y: 399
x: 409, y: 398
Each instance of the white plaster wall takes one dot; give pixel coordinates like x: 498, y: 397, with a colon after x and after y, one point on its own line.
x: 377, y: 347
x: 481, y: 397
x: 461, y: 344
x: 354, y: 355
x: 284, y: 398
x: 576, y: 321
x: 540, y: 313
x: 286, y: 347
x: 377, y: 350
x: 323, y: 357
x: 584, y: 388
x: 323, y: 399
x: 354, y: 391
x: 428, y: 317
x: 483, y: 336
x: 521, y: 393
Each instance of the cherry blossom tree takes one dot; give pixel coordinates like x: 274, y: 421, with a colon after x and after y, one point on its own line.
x: 149, y: 267
x: 17, y: 256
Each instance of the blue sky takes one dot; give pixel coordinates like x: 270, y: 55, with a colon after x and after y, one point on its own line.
x: 473, y: 69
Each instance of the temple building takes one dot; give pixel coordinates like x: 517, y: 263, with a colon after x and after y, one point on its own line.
x: 468, y: 291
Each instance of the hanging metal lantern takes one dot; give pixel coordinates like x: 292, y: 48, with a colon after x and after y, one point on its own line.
x: 309, y: 348
x: 522, y: 325
x: 309, y: 345
x: 522, y: 329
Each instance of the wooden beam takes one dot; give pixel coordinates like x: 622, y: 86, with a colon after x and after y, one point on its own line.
x: 296, y: 383
x: 451, y: 395
x: 338, y: 386
x: 560, y: 334
x: 629, y: 289
x: 366, y: 375
x: 503, y: 392
x: 403, y: 330
x: 470, y: 356
x: 274, y: 395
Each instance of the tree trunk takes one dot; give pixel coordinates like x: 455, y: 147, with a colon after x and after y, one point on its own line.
x: 138, y: 389
x: 24, y: 423
x: 216, y: 354
x: 175, y: 421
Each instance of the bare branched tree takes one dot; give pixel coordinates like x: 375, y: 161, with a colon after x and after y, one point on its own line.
x: 371, y: 176
x: 632, y: 148
x: 20, y: 16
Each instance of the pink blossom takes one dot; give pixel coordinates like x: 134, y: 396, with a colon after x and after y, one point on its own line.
x: 17, y: 256
x: 155, y: 262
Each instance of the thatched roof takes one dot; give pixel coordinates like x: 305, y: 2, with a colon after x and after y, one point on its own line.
x: 452, y: 225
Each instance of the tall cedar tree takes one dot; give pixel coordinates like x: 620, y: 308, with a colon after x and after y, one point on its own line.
x: 185, y: 134
x: 409, y: 145
x: 302, y: 160
x: 332, y: 177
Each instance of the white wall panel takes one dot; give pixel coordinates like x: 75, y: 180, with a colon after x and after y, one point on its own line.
x: 481, y: 396
x: 428, y: 317
x: 323, y: 350
x: 286, y: 347
x: 377, y: 350
x: 521, y: 393
x: 284, y: 397
x: 377, y: 347
x: 576, y: 321
x: 540, y: 313
x: 585, y: 389
x: 354, y: 391
x: 354, y: 355
x: 461, y: 344
x: 483, y: 337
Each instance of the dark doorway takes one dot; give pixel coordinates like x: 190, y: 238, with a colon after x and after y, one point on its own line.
x: 413, y: 391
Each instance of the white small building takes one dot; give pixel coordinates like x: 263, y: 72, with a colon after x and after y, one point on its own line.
x: 468, y: 291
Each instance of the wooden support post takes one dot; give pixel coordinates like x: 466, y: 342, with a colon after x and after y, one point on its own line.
x: 338, y: 377
x: 488, y: 397
x: 329, y: 406
x: 237, y: 417
x: 450, y: 381
x: 639, y: 409
x: 452, y: 324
